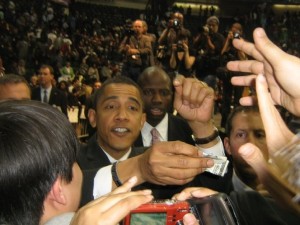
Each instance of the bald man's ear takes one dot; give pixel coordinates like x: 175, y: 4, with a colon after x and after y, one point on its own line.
x: 227, y: 145
x: 92, y: 117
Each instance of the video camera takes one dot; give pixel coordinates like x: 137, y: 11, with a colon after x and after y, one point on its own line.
x: 215, y: 209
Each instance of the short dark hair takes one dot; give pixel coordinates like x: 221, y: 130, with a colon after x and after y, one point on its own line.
x: 152, y: 70
x: 119, y: 79
x: 236, y: 111
x: 45, y: 66
x: 37, y: 145
x: 13, y: 79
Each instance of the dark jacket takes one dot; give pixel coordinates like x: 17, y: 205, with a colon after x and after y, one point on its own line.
x: 57, y: 98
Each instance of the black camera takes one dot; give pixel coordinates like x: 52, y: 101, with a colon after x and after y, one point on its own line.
x: 175, y: 23
x: 236, y: 35
x: 129, y: 32
x: 215, y: 209
x: 180, y: 46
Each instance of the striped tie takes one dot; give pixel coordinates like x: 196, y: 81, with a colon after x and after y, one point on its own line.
x: 155, y: 136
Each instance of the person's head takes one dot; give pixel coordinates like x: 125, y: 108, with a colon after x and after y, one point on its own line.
x: 34, y: 80
x: 118, y: 115
x: 245, y: 125
x: 14, y: 87
x: 237, y: 28
x: 138, y: 27
x: 178, y: 16
x: 96, y: 85
x: 46, y: 75
x: 157, y: 93
x: 213, y: 23
x: 63, y: 85
x: 39, y: 176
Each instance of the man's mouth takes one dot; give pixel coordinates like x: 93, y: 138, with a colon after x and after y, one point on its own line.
x: 120, y: 131
x: 156, y: 111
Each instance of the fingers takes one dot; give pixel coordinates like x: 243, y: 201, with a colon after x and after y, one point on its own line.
x: 277, y: 132
x: 191, y: 91
x: 104, y: 211
x: 197, y: 192
x: 244, y: 80
x: 126, y: 186
x: 270, y: 51
x: 251, y: 66
x: 248, y: 48
x: 190, y: 219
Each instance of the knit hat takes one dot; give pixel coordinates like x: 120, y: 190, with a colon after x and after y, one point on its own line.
x: 212, y: 18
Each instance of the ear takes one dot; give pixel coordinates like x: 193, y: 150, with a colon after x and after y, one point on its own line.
x: 92, y: 117
x: 56, y: 193
x: 143, y: 120
x: 227, y: 145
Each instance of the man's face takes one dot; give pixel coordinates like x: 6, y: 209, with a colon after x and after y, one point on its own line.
x: 14, y: 91
x: 119, y: 118
x: 45, y: 77
x: 138, y: 27
x: 213, y: 26
x: 246, y: 127
x: 157, y: 95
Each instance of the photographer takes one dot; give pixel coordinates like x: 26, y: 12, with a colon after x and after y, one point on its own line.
x: 208, y: 59
x: 169, y: 37
x: 137, y: 50
x: 182, y: 57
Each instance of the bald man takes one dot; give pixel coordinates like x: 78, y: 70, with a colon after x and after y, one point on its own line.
x: 14, y: 87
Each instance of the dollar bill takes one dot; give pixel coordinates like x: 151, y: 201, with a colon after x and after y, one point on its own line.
x: 220, y: 164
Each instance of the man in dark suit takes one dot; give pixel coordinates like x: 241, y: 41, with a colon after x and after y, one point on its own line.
x: 47, y: 93
x: 158, y: 98
x: 119, y: 116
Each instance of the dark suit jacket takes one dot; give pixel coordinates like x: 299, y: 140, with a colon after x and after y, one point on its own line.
x: 91, y: 158
x: 57, y: 98
x: 178, y: 130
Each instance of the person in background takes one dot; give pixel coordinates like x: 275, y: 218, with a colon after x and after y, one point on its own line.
x: 14, y: 87
x: 244, y: 125
x: 47, y: 92
x: 137, y: 49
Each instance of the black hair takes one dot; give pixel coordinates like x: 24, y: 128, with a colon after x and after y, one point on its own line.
x: 119, y: 79
x: 236, y: 111
x: 37, y: 145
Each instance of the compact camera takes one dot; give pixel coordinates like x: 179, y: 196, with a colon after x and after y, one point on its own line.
x: 215, y: 209
x: 174, y: 23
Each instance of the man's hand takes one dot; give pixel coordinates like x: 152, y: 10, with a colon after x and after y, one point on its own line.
x: 112, y: 208
x: 172, y: 163
x: 194, y: 101
x: 279, y: 68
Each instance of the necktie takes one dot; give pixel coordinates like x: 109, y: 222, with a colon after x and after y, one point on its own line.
x: 45, y: 98
x: 155, y: 136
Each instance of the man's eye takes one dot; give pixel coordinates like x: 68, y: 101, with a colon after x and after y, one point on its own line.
x: 110, y: 106
x: 148, y: 92
x: 133, y: 108
x: 241, y: 135
x: 260, y: 134
x: 164, y: 92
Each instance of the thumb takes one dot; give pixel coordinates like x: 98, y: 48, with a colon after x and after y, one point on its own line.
x: 178, y: 85
x: 253, y: 156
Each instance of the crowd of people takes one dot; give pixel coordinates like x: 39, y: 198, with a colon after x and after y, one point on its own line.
x: 152, y: 131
